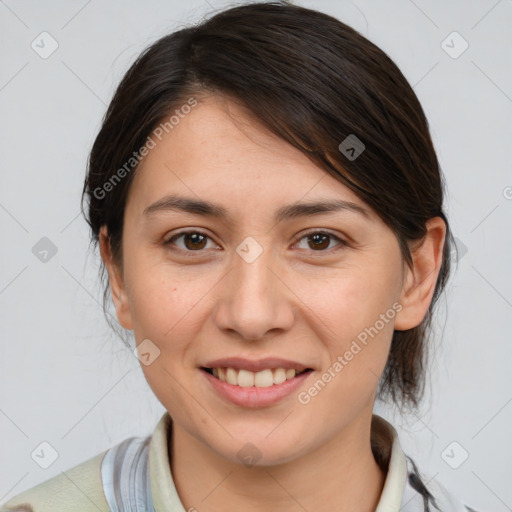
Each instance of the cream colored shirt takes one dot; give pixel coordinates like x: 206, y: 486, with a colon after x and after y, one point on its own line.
x: 86, y: 487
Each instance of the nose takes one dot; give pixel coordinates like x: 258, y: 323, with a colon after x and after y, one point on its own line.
x: 255, y: 301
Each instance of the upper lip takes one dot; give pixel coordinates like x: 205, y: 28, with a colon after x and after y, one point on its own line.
x: 253, y: 365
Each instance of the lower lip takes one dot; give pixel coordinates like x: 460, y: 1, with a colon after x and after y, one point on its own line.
x: 253, y: 397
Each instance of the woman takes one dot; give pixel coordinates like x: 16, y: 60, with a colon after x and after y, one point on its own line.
x: 268, y: 206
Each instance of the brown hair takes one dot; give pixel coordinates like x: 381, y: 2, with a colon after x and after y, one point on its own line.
x: 313, y: 81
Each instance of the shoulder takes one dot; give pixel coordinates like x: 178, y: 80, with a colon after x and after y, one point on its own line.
x: 422, y: 494
x: 78, y: 488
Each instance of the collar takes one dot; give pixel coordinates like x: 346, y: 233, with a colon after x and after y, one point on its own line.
x: 385, y: 446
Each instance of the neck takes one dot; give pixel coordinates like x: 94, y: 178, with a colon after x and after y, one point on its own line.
x: 341, y: 475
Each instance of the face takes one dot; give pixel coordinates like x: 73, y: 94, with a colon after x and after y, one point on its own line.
x: 321, y: 291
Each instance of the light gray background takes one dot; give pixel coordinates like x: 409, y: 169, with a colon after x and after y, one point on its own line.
x: 65, y: 379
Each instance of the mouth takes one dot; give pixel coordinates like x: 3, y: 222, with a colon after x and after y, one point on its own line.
x: 265, y: 378
x: 251, y: 390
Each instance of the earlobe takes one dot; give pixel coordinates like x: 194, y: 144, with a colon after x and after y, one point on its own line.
x: 420, y: 280
x: 116, y: 282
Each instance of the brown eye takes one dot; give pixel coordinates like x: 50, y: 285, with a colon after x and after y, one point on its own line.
x: 192, y: 240
x: 319, y: 241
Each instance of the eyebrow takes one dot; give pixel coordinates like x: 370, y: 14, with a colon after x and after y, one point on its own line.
x: 208, y: 209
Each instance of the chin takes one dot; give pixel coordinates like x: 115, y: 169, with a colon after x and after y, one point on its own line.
x: 258, y: 450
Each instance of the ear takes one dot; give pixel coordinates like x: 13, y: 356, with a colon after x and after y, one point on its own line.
x: 420, y: 281
x: 117, y: 287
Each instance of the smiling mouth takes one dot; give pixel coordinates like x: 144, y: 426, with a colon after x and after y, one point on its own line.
x: 262, y: 379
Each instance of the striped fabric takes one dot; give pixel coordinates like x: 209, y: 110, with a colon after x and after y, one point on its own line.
x: 422, y: 495
x: 125, y: 476
x: 135, y: 476
x: 126, y: 483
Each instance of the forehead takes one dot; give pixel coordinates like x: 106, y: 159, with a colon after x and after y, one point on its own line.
x: 220, y: 152
x: 218, y: 134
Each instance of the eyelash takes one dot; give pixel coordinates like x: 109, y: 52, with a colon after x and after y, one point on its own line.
x: 342, y: 243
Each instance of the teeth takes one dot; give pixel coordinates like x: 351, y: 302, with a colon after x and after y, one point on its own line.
x: 232, y: 376
x: 279, y: 375
x: 246, y: 379
x: 262, y: 379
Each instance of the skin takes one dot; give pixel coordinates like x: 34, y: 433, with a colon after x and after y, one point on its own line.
x: 294, y: 301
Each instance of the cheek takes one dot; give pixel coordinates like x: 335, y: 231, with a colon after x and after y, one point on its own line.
x: 162, y: 299
x: 360, y: 315
x: 354, y: 302
x: 165, y: 306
